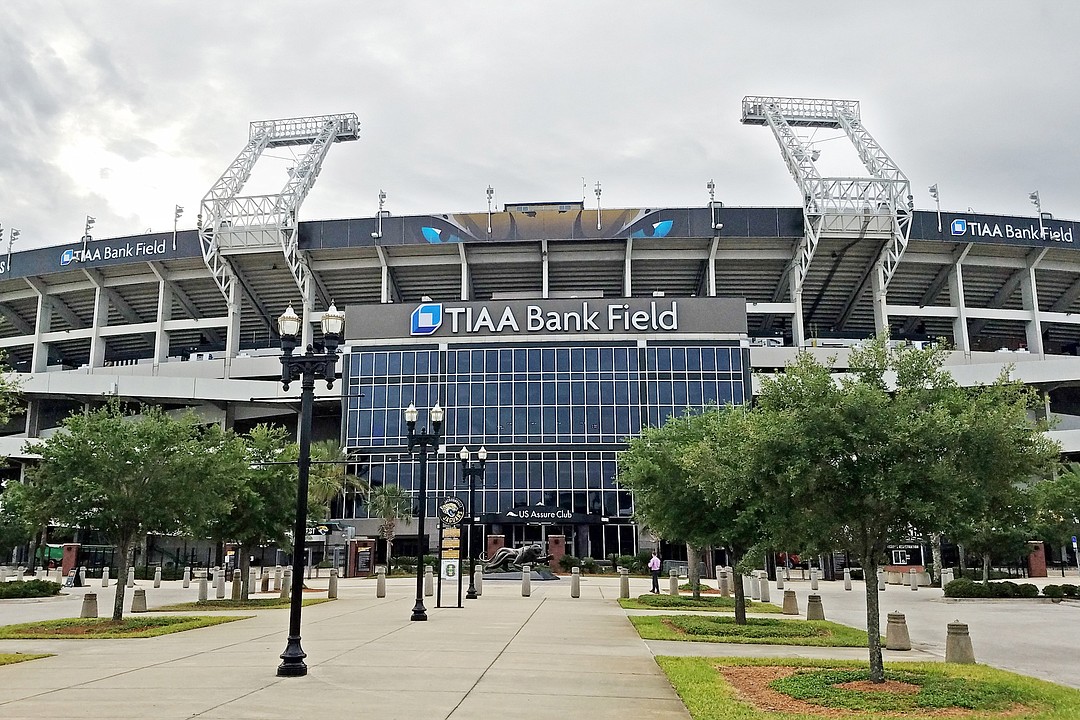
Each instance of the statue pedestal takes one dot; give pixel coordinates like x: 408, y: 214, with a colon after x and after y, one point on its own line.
x: 516, y: 575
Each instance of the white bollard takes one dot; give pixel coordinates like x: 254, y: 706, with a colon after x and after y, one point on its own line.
x: 237, y: 585
x: 763, y: 586
x: 913, y: 579
x: 880, y: 580
x: 725, y: 583
x: 946, y: 577
x: 380, y: 582
x: 89, y: 606
x: 19, y: 573
x: 429, y: 581
x: 187, y: 576
x: 780, y: 578
x: 219, y: 584
x: 755, y: 591
x: 673, y: 582
x: 131, y: 577
x: 157, y: 576
x: 204, y: 589
x: 747, y: 585
x: 847, y: 578
x: 624, y: 583
x: 105, y: 576
x: 813, y: 578
x: 478, y: 581
x: 138, y: 601
x: 526, y: 580
x: 331, y: 591
x: 575, y: 582
x: 286, y: 584
x: 277, y: 578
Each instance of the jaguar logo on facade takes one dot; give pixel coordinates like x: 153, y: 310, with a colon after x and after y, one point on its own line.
x: 426, y: 319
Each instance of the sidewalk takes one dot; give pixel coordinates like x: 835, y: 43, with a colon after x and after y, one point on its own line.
x: 546, y: 656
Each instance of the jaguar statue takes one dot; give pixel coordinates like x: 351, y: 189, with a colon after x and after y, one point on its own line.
x: 507, y: 559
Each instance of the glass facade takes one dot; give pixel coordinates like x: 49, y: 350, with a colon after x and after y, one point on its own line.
x: 552, y: 418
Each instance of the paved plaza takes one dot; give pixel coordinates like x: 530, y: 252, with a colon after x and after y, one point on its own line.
x: 545, y: 656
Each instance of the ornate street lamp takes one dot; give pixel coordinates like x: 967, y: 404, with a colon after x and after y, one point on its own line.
x: 313, y: 364
x: 425, y: 441
x: 471, y: 472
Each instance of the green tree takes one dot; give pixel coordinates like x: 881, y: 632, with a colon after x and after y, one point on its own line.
x: 126, y: 476
x: 893, y: 446
x: 687, y: 485
x: 262, y: 498
x: 392, y: 504
x: 1057, y: 506
x: 328, y: 477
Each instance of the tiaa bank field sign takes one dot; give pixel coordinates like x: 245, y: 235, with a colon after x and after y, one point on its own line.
x: 527, y: 318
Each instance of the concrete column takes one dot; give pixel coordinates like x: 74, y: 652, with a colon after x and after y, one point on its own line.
x: 89, y: 606
x: 157, y: 576
x: 429, y: 581
x: 956, y: 297
x: 673, y: 582
x: 798, y: 328
x: 958, y: 644
x: 138, y: 601
x: 101, y: 319
x: 42, y: 325
x: 232, y: 329
x: 896, y: 633
x: 791, y: 603
x: 187, y: 577
x: 105, y: 576
x: 164, y: 313
x: 380, y: 583
x: 1030, y: 297
x: 814, y: 610
x: 332, y: 591
x: 880, y: 299
x: 575, y: 582
x: 526, y: 580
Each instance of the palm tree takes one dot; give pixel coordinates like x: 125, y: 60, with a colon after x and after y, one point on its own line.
x: 329, y: 476
x: 391, y: 503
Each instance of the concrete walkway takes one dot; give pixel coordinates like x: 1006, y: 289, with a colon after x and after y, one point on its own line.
x: 546, y: 656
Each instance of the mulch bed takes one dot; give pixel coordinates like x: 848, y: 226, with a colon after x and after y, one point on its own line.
x: 752, y: 686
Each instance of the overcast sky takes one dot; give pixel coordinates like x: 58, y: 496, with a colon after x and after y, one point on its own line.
x: 123, y: 109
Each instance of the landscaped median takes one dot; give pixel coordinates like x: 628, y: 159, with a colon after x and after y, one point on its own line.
x: 797, y: 689
x: 682, y: 602
x: 12, y: 658
x: 252, y: 604
x: 106, y: 629
x: 760, y: 631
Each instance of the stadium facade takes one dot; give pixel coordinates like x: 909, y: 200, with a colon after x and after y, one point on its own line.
x: 549, y: 331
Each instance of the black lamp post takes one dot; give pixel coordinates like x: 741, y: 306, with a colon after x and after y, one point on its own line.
x: 425, y: 441
x: 307, y: 368
x: 471, y: 472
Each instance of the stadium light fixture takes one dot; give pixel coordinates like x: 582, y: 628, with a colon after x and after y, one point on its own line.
x: 176, y: 218
x: 86, y: 234
x: 382, y: 200
x: 598, y: 225
x: 309, y: 367
x: 490, y: 194
x: 1037, y: 202
x: 937, y: 201
x: 12, y: 237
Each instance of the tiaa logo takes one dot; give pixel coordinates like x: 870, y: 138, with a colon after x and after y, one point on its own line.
x: 67, y: 256
x: 426, y: 319
x: 959, y: 226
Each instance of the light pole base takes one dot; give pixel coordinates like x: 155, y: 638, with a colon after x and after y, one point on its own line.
x: 419, y: 612
x: 470, y: 594
x: 292, y: 660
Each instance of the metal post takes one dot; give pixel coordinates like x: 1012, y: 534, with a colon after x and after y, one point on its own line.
x: 425, y: 441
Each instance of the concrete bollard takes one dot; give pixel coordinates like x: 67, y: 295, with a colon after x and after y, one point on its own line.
x: 958, y: 644
x: 41, y: 572
x: 187, y: 577
x: 673, y: 582
x: 946, y: 577
x: 105, y: 576
x: 880, y: 580
x: 277, y: 578
x: 847, y: 578
x: 332, y: 590
x: 264, y: 582
x: 814, y: 610
x: 19, y: 574
x: 89, y: 606
x: 157, y: 576
x: 913, y: 579
x: 429, y: 581
x: 237, y: 585
x: 219, y: 584
x: 624, y: 583
x: 747, y: 586
x: 724, y: 583
x: 896, y: 633
x: 380, y: 583
x: 131, y: 577
x: 813, y: 578
x: 478, y: 581
x: 716, y: 574
x: 780, y: 578
x: 252, y: 579
x: 138, y: 601
x: 82, y: 575
x: 286, y: 584
x: 575, y: 582
x: 204, y: 589
x: 526, y: 580
x: 791, y: 603
x: 755, y: 583
x: 763, y: 587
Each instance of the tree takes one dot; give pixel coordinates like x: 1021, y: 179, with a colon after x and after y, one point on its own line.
x: 127, y: 475
x: 262, y: 499
x: 328, y: 477
x: 688, y: 487
x: 391, y: 503
x: 1057, y: 506
x: 892, y: 447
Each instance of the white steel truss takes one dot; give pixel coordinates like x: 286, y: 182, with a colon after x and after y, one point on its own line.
x: 879, y: 206
x: 232, y: 224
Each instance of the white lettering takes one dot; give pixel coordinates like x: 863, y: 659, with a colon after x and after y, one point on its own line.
x: 507, y: 320
x: 567, y: 317
x: 483, y: 320
x: 553, y: 323
x: 640, y: 319
x: 590, y: 318
x: 534, y: 318
x: 453, y: 312
x: 669, y: 319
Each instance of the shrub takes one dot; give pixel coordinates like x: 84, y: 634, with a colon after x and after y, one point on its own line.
x: 568, y: 562
x: 1028, y: 590
x: 626, y: 561
x: 1053, y: 591
x: 590, y: 565
x: 1006, y: 589
x: 29, y: 589
x: 641, y: 561
x: 964, y: 588
x: 1069, y: 590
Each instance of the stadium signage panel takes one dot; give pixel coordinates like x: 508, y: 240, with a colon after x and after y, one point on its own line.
x: 117, y: 251
x: 524, y: 318
x: 1011, y: 230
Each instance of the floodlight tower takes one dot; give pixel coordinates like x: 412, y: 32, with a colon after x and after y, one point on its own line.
x: 232, y: 224
x: 878, y: 206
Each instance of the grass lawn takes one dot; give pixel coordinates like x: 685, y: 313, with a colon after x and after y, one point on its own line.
x: 252, y: 604
x: 106, y: 629
x: 760, y: 631
x: 796, y: 689
x: 682, y: 602
x: 12, y: 658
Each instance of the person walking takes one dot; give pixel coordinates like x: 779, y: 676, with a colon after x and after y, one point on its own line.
x: 654, y: 568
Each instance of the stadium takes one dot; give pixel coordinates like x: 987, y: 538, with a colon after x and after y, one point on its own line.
x: 549, y: 331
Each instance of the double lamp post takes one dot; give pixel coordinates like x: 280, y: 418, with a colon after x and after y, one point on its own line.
x: 472, y: 472
x: 317, y: 363
x: 423, y: 442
